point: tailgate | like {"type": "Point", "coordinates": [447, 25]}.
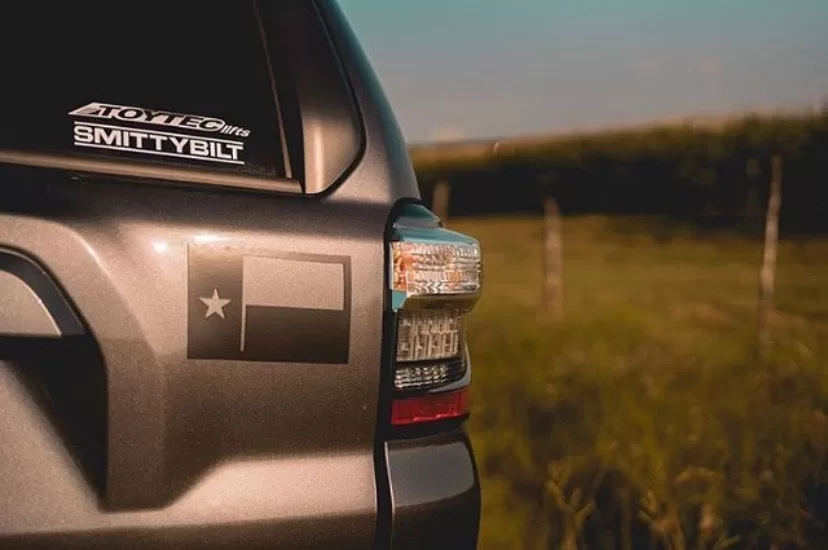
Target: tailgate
{"type": "Point", "coordinates": [192, 360]}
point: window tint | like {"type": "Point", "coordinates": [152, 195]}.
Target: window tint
{"type": "Point", "coordinates": [185, 83]}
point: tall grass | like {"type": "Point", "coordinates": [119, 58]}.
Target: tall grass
{"type": "Point", "coordinates": [641, 420]}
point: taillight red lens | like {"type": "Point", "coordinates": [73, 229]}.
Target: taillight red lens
{"type": "Point", "coordinates": [429, 408]}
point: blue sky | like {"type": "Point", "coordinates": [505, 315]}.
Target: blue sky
{"type": "Point", "coordinates": [462, 69]}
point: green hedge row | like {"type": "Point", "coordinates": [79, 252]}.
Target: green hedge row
{"type": "Point", "coordinates": [674, 171]}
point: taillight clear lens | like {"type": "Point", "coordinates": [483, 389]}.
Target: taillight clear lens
{"type": "Point", "coordinates": [435, 268]}
{"type": "Point", "coordinates": [419, 377]}
{"type": "Point", "coordinates": [428, 335]}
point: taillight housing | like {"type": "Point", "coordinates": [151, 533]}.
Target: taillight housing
{"type": "Point", "coordinates": [435, 278]}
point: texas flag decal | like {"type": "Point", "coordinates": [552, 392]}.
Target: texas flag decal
{"type": "Point", "coordinates": [274, 307]}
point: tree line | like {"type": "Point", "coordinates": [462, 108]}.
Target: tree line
{"type": "Point", "coordinates": [708, 175]}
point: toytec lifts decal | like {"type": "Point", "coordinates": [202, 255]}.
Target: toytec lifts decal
{"type": "Point", "coordinates": [100, 126]}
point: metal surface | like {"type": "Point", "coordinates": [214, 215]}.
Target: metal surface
{"type": "Point", "coordinates": [118, 439]}
{"type": "Point", "coordinates": [23, 312]}
{"type": "Point", "coordinates": [435, 491]}
{"type": "Point", "coordinates": [32, 305]}
{"type": "Point", "coordinates": [170, 418]}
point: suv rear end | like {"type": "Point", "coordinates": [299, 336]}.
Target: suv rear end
{"type": "Point", "coordinates": [227, 320]}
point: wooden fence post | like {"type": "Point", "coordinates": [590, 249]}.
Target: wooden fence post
{"type": "Point", "coordinates": [553, 260]}
{"type": "Point", "coordinates": [440, 200]}
{"type": "Point", "coordinates": [767, 274]}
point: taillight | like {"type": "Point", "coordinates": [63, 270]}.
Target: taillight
{"type": "Point", "coordinates": [435, 280]}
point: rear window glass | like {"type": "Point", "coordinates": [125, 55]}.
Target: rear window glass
{"type": "Point", "coordinates": [180, 83]}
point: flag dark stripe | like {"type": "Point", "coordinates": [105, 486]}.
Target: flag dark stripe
{"type": "Point", "coordinates": [296, 335]}
{"type": "Point", "coordinates": [213, 337]}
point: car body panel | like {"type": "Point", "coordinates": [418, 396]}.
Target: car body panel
{"type": "Point", "coordinates": [435, 491]}
{"type": "Point", "coordinates": [182, 430]}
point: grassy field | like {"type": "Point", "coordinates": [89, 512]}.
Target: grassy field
{"type": "Point", "coordinates": [641, 420]}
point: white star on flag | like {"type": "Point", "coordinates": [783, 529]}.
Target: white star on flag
{"type": "Point", "coordinates": [215, 304]}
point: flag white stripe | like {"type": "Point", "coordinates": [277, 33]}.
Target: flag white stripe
{"type": "Point", "coordinates": [277, 282]}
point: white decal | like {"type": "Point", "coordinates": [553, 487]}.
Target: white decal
{"type": "Point", "coordinates": [215, 304]}
{"type": "Point", "coordinates": [128, 113]}
{"type": "Point", "coordinates": [157, 143]}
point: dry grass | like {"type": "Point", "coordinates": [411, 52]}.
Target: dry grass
{"type": "Point", "coordinates": [641, 421]}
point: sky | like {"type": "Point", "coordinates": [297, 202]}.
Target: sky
{"type": "Point", "coordinates": [479, 69]}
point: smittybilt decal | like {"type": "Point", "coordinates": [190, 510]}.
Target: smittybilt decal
{"type": "Point", "coordinates": [131, 139]}
{"type": "Point", "coordinates": [277, 307]}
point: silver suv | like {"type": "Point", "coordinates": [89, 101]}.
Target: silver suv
{"type": "Point", "coordinates": [226, 319]}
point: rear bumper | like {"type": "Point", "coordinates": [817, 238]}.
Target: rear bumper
{"type": "Point", "coordinates": [435, 493]}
